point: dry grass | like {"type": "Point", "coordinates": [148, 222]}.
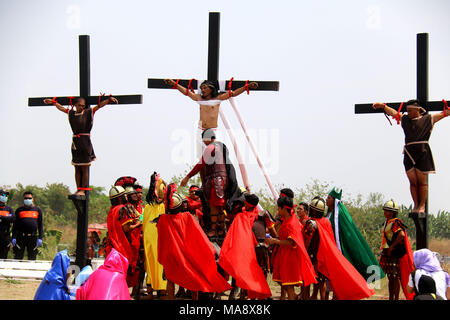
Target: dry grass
{"type": "Point", "coordinates": [25, 290]}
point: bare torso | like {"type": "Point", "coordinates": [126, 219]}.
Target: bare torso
{"type": "Point", "coordinates": [209, 113]}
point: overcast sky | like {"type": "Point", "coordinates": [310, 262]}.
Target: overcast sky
{"type": "Point", "coordinates": [327, 56]}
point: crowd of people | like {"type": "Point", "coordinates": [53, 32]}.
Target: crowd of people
{"type": "Point", "coordinates": [220, 239]}
{"type": "Point", "coordinates": [209, 243]}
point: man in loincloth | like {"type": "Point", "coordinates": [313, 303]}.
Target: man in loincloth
{"type": "Point", "coordinates": [209, 101]}
{"type": "Point", "coordinates": [417, 125]}
{"type": "Point", "coordinates": [81, 120]}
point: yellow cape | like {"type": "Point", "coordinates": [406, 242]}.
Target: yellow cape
{"type": "Point", "coordinates": [153, 268]}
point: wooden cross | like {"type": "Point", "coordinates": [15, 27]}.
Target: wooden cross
{"type": "Point", "coordinates": [420, 220]}
{"type": "Point", "coordinates": [213, 75]}
{"type": "Point", "coordinates": [82, 203]}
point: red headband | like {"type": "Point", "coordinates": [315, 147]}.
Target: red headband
{"type": "Point", "coordinates": [249, 204]}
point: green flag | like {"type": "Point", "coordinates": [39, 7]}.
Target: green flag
{"type": "Point", "coordinates": [352, 244]}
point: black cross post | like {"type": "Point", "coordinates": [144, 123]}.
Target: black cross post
{"type": "Point", "coordinates": [420, 220]}
{"type": "Point", "coordinates": [82, 203]}
{"type": "Point", "coordinates": [213, 64]}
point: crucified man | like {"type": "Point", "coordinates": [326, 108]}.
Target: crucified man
{"type": "Point", "coordinates": [81, 120]}
{"type": "Point", "coordinates": [209, 101]}
{"type": "Point", "coordinates": [417, 125]}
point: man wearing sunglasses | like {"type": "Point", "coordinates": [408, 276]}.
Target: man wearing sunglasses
{"type": "Point", "coordinates": [27, 229]}
{"type": "Point", "coordinates": [7, 217]}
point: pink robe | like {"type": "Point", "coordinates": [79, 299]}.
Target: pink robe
{"type": "Point", "coordinates": [108, 282]}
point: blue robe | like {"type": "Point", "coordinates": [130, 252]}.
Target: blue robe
{"type": "Point", "coordinates": [54, 286]}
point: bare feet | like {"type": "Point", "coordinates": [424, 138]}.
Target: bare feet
{"type": "Point", "coordinates": [80, 193]}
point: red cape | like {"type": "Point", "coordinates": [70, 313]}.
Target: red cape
{"type": "Point", "coordinates": [292, 265]}
{"type": "Point", "coordinates": [347, 282]}
{"type": "Point", "coordinates": [187, 255]}
{"type": "Point", "coordinates": [120, 242]}
{"type": "Point", "coordinates": [238, 256]}
{"type": "Point", "coordinates": [406, 265]}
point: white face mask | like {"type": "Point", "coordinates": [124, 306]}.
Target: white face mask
{"type": "Point", "coordinates": [28, 202]}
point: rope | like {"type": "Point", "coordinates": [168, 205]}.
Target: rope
{"type": "Point", "coordinates": [229, 88]}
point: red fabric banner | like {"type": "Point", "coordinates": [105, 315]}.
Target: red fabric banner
{"type": "Point", "coordinates": [238, 256]}
{"type": "Point", "coordinates": [187, 255]}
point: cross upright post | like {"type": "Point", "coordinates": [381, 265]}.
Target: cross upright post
{"type": "Point", "coordinates": [420, 220]}
{"type": "Point", "coordinates": [81, 203]}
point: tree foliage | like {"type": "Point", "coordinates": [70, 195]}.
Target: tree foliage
{"type": "Point", "coordinates": [366, 212]}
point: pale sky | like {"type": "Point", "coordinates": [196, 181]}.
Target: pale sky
{"type": "Point", "coordinates": [327, 56]}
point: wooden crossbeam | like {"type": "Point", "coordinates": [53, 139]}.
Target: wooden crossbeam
{"type": "Point", "coordinates": [362, 108]}
{"type": "Point", "coordinates": [154, 83]}
{"type": "Point", "coordinates": [91, 100]}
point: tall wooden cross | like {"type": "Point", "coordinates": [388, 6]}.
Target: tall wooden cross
{"type": "Point", "coordinates": [82, 203]}
{"type": "Point", "coordinates": [213, 75]}
{"type": "Point", "coordinates": [420, 220]}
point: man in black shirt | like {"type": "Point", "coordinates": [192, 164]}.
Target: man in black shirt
{"type": "Point", "coordinates": [28, 229]}
{"type": "Point", "coordinates": [418, 161]}
{"type": "Point", "coordinates": [7, 217]}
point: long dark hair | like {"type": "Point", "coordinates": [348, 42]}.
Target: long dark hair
{"type": "Point", "coordinates": [214, 91]}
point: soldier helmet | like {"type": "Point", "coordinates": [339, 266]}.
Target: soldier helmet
{"type": "Point", "coordinates": [317, 204]}
{"type": "Point", "coordinates": [391, 205]}
{"type": "Point", "coordinates": [116, 191]}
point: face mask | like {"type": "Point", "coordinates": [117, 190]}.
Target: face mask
{"type": "Point", "coordinates": [3, 198]}
{"type": "Point", "coordinates": [28, 202]}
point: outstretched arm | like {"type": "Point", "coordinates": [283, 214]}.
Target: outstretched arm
{"type": "Point", "coordinates": [440, 115]}
{"type": "Point", "coordinates": [105, 102]}
{"type": "Point", "coordinates": [238, 91]}
{"type": "Point", "coordinates": [388, 110]}
{"type": "Point", "coordinates": [56, 104]}
{"type": "Point", "coordinates": [182, 89]}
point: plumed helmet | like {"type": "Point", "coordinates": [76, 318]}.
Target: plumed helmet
{"type": "Point", "coordinates": [172, 199]}
{"type": "Point", "coordinates": [125, 181]}
{"type": "Point", "coordinates": [178, 199]}
{"type": "Point", "coordinates": [317, 204]}
{"type": "Point", "coordinates": [159, 188]}
{"type": "Point", "coordinates": [391, 205]}
{"type": "Point", "coordinates": [116, 191]}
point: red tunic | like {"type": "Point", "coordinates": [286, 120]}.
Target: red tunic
{"type": "Point", "coordinates": [347, 282]}
{"type": "Point", "coordinates": [238, 256]}
{"type": "Point", "coordinates": [187, 255]}
{"type": "Point", "coordinates": [207, 157]}
{"type": "Point", "coordinates": [126, 245]}
{"type": "Point", "coordinates": [291, 265]}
